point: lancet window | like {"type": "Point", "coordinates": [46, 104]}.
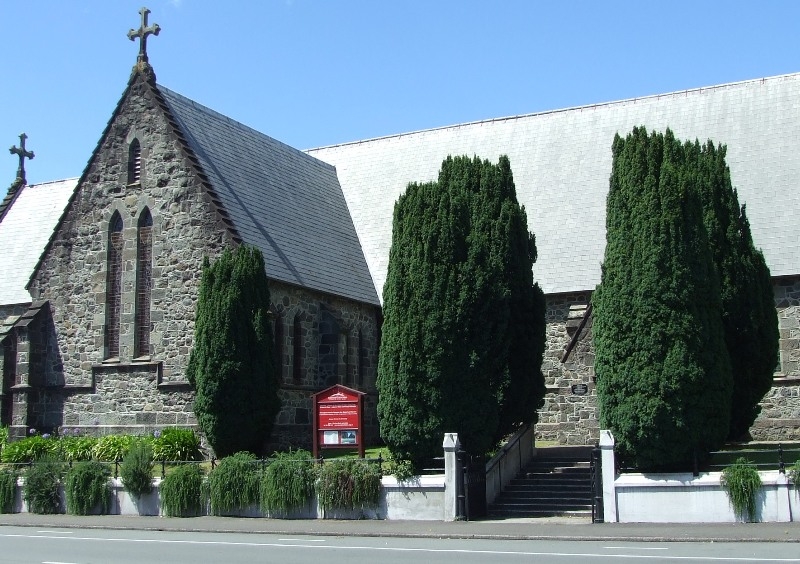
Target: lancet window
{"type": "Point", "coordinates": [144, 282]}
{"type": "Point", "coordinates": [297, 349]}
{"type": "Point", "coordinates": [113, 286]}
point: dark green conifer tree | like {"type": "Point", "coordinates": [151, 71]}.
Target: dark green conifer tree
{"type": "Point", "coordinates": [231, 364]}
{"type": "Point", "coordinates": [459, 301]}
{"type": "Point", "coordinates": [663, 373]}
{"type": "Point", "coordinates": [749, 315]}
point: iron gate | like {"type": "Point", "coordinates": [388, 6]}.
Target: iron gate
{"type": "Point", "coordinates": [596, 472]}
{"type": "Point", "coordinates": [472, 502]}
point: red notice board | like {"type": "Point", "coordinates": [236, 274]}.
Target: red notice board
{"type": "Point", "coordinates": [338, 419]}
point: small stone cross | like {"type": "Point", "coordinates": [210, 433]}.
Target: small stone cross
{"type": "Point", "coordinates": [22, 154]}
{"type": "Point", "coordinates": [142, 34]}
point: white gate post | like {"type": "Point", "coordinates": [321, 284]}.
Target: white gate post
{"type": "Point", "coordinates": [609, 474]}
{"type": "Point", "coordinates": [451, 475]}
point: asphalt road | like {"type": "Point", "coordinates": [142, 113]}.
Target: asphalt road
{"type": "Point", "coordinates": [99, 546]}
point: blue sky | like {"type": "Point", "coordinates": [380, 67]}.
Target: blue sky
{"type": "Point", "coordinates": [312, 73]}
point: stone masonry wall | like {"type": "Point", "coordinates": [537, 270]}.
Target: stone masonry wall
{"type": "Point", "coordinates": [357, 353]}
{"type": "Point", "coordinates": [780, 409]}
{"type": "Point", "coordinates": [567, 417]}
{"type": "Point", "coordinates": [83, 386]}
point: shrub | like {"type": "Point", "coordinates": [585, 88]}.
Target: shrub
{"type": "Point", "coordinates": [136, 470]}
{"type": "Point", "coordinates": [460, 265]}
{"type": "Point", "coordinates": [234, 483]}
{"type": "Point", "coordinates": [173, 445]}
{"type": "Point", "coordinates": [28, 449]}
{"type": "Point", "coordinates": [349, 483]}
{"type": "Point", "coordinates": [400, 468]}
{"type": "Point", "coordinates": [231, 363]}
{"type": "Point", "coordinates": [663, 373]}
{"type": "Point", "coordinates": [288, 482]}
{"type": "Point", "coordinates": [86, 487]}
{"type": "Point", "coordinates": [3, 438]}
{"type": "Point", "coordinates": [41, 489]}
{"type": "Point", "coordinates": [76, 449]}
{"type": "Point", "coordinates": [8, 490]}
{"type": "Point", "coordinates": [794, 475]}
{"type": "Point", "coordinates": [112, 447]}
{"type": "Point", "coordinates": [742, 482]}
{"type": "Point", "coordinates": [182, 491]}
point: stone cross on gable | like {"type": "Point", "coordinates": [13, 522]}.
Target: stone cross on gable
{"type": "Point", "coordinates": [142, 34]}
{"type": "Point", "coordinates": [22, 154]}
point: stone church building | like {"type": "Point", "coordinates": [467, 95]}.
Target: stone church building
{"type": "Point", "coordinates": [99, 275]}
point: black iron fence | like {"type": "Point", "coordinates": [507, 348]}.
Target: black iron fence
{"type": "Point", "coordinates": [763, 456]}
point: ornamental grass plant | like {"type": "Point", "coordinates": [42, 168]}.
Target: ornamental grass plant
{"type": "Point", "coordinates": [349, 483]}
{"type": "Point", "coordinates": [288, 482]}
{"type": "Point", "coordinates": [742, 483]}
{"type": "Point", "coordinates": [41, 486]}
{"type": "Point", "coordinates": [182, 491]}
{"type": "Point", "coordinates": [87, 489]}
{"type": "Point", "coordinates": [233, 485]}
{"type": "Point", "coordinates": [8, 490]}
{"type": "Point", "coordinates": [136, 469]}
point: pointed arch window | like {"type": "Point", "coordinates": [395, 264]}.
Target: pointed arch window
{"type": "Point", "coordinates": [297, 350]}
{"type": "Point", "coordinates": [134, 162]}
{"type": "Point", "coordinates": [144, 282]}
{"type": "Point", "coordinates": [113, 286]}
{"type": "Point", "coordinates": [362, 358]}
{"type": "Point", "coordinates": [278, 333]}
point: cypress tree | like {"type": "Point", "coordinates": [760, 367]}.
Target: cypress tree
{"type": "Point", "coordinates": [663, 373]}
{"type": "Point", "coordinates": [231, 364]}
{"type": "Point", "coordinates": [749, 316]}
{"type": "Point", "coordinates": [459, 299]}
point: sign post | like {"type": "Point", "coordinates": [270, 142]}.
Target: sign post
{"type": "Point", "coordinates": [338, 419]}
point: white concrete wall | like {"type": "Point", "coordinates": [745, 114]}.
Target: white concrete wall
{"type": "Point", "coordinates": [419, 498]}
{"type": "Point", "coordinates": [506, 464]}
{"type": "Point", "coordinates": [683, 498]}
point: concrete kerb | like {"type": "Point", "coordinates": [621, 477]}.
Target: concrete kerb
{"type": "Point", "coordinates": [566, 529]}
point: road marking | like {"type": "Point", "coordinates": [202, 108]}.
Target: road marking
{"type": "Point", "coordinates": [635, 548]}
{"type": "Point", "coordinates": [57, 532]}
{"type": "Point", "coordinates": [302, 540]}
{"type": "Point", "coordinates": [422, 550]}
{"type": "Point", "coordinates": [48, 562]}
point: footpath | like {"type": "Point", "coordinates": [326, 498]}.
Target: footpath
{"type": "Point", "coordinates": [557, 528]}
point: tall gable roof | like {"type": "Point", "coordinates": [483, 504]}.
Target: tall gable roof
{"type": "Point", "coordinates": [281, 200]}
{"type": "Point", "coordinates": [562, 162]}
{"type": "Point", "coordinates": [25, 230]}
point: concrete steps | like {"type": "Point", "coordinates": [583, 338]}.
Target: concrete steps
{"type": "Point", "coordinates": [556, 483]}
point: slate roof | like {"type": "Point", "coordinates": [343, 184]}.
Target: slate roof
{"type": "Point", "coordinates": [561, 162]}
{"type": "Point", "coordinates": [279, 199]}
{"type": "Point", "coordinates": [25, 230]}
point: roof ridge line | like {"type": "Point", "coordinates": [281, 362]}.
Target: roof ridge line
{"type": "Point", "coordinates": [53, 181]}
{"type": "Point", "coordinates": [687, 91]}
